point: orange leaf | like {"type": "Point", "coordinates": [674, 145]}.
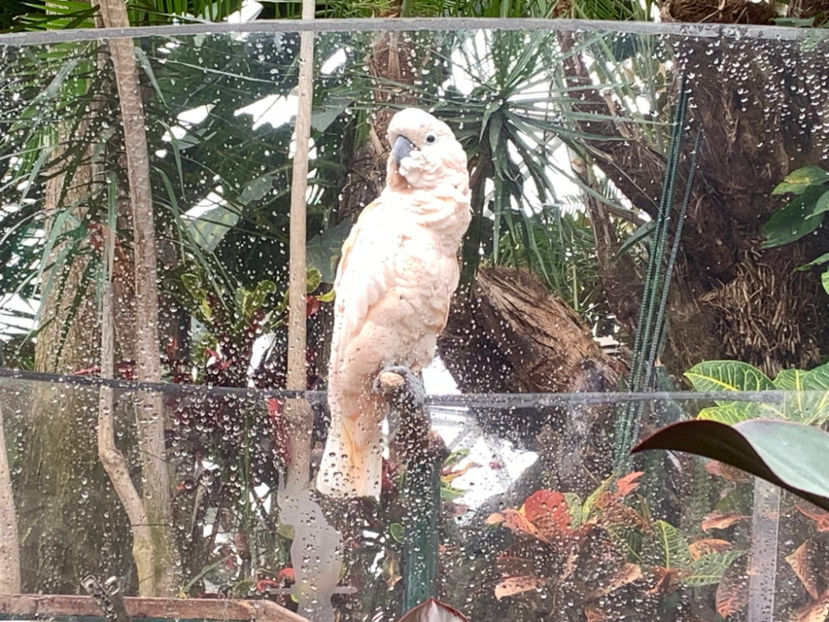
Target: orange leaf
{"type": "Point", "coordinates": [548, 511]}
{"type": "Point", "coordinates": [494, 519]}
{"type": "Point", "coordinates": [595, 615]}
{"type": "Point", "coordinates": [517, 585]}
{"type": "Point", "coordinates": [627, 484]}
{"type": "Point", "coordinates": [803, 563]}
{"type": "Point", "coordinates": [727, 472]}
{"type": "Point", "coordinates": [706, 546]}
{"type": "Point", "coordinates": [814, 612]}
{"type": "Point", "coordinates": [614, 512]}
{"type": "Point", "coordinates": [721, 520]}
{"type": "Point", "coordinates": [821, 517]}
{"type": "Point", "coordinates": [515, 520]}
{"type": "Point", "coordinates": [666, 580]}
{"type": "Point", "coordinates": [627, 574]}
{"type": "Point", "coordinates": [732, 592]}
{"type": "Point", "coordinates": [456, 473]}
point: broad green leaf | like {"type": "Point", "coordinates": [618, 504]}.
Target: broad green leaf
{"type": "Point", "coordinates": [574, 505]}
{"type": "Point", "coordinates": [797, 181]}
{"type": "Point", "coordinates": [790, 455]}
{"type": "Point", "coordinates": [822, 204]}
{"type": "Point", "coordinates": [313, 278]}
{"type": "Point", "coordinates": [329, 111]}
{"type": "Point", "coordinates": [397, 532]}
{"type": "Point", "coordinates": [665, 546]}
{"type": "Point", "coordinates": [824, 279]}
{"type": "Point", "coordinates": [794, 221]}
{"type": "Point", "coordinates": [709, 569]}
{"type": "Point", "coordinates": [729, 414]}
{"type": "Point", "coordinates": [256, 189]}
{"type": "Point", "coordinates": [728, 376]}
{"type": "Point", "coordinates": [210, 228]}
{"type": "Point", "coordinates": [817, 379]}
{"type": "Point", "coordinates": [192, 283]}
{"type": "Point", "coordinates": [323, 250]}
{"type": "Point", "coordinates": [815, 262]}
{"type": "Point", "coordinates": [809, 401]}
{"type": "Point", "coordinates": [790, 380]}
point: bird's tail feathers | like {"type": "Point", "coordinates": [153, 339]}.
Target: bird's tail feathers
{"type": "Point", "coordinates": [352, 462]}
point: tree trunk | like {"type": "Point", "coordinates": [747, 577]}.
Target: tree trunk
{"type": "Point", "coordinates": [150, 419]}
{"type": "Point", "coordinates": [9, 535]}
{"type": "Point", "coordinates": [730, 298]}
{"type": "Point", "coordinates": [70, 521]}
{"type": "Point", "coordinates": [509, 334]}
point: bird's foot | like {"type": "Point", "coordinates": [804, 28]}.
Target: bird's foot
{"type": "Point", "coordinates": [400, 384]}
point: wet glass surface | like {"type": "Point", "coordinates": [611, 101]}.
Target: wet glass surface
{"type": "Point", "coordinates": [645, 206]}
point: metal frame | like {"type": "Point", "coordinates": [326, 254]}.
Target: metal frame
{"type": "Point", "coordinates": [770, 33]}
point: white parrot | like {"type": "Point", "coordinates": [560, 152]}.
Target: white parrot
{"type": "Point", "coordinates": [398, 271]}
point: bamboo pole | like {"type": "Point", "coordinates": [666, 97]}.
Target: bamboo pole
{"type": "Point", "coordinates": [316, 548]}
{"type": "Point", "coordinates": [298, 412]}
{"type": "Point", "coordinates": [149, 410]}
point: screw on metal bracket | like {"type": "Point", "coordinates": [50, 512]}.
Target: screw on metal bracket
{"type": "Point", "coordinates": [109, 597]}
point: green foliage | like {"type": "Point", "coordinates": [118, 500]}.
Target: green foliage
{"type": "Point", "coordinates": [803, 215]}
{"type": "Point", "coordinates": [808, 404]}
{"type": "Point", "coordinates": [564, 258]}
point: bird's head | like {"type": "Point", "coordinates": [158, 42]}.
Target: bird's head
{"type": "Point", "coordinates": [424, 153]}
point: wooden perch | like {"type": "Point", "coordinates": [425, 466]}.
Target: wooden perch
{"type": "Point", "coordinates": [422, 451]}
{"type": "Point", "coordinates": [411, 437]}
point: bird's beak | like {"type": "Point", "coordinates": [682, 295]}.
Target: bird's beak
{"type": "Point", "coordinates": [401, 149]}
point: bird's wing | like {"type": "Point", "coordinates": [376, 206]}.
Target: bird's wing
{"type": "Point", "coordinates": [363, 274]}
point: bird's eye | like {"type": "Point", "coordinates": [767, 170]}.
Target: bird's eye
{"type": "Point", "coordinates": [430, 138]}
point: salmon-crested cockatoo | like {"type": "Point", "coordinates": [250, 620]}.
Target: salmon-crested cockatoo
{"type": "Point", "coordinates": [398, 271]}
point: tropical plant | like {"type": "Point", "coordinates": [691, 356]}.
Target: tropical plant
{"type": "Point", "coordinates": [765, 449]}
{"type": "Point", "coordinates": [808, 403]}
{"type": "Point", "coordinates": [803, 215]}
{"type": "Point", "coordinates": [599, 556]}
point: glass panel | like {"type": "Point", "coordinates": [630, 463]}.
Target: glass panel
{"type": "Point", "coordinates": [647, 215]}
{"type": "Point", "coordinates": [522, 530]}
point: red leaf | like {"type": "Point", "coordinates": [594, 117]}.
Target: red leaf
{"type": "Point", "coordinates": [593, 614]}
{"type": "Point", "coordinates": [547, 510]}
{"type": "Point", "coordinates": [517, 522]}
{"type": "Point", "coordinates": [721, 520]}
{"type": "Point", "coordinates": [666, 580]}
{"type": "Point", "coordinates": [817, 611]}
{"type": "Point", "coordinates": [312, 305]}
{"type": "Point", "coordinates": [627, 484]}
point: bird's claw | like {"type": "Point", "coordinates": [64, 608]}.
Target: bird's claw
{"type": "Point", "coordinates": [407, 387]}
